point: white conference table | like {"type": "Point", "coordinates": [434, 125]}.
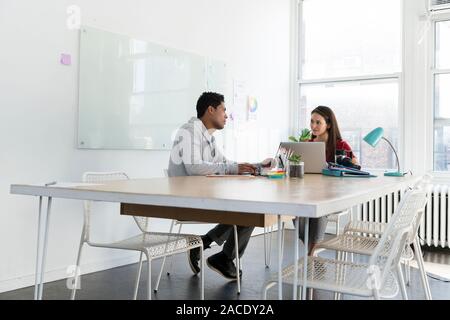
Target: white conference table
{"type": "Point", "coordinates": [248, 201]}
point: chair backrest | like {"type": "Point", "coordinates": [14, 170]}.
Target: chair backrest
{"type": "Point", "coordinates": [421, 186]}
{"type": "Point", "coordinates": [97, 177]}
{"type": "Point", "coordinates": [388, 252]}
{"type": "Point", "coordinates": [143, 222]}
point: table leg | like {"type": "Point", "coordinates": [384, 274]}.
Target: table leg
{"type": "Point", "coordinates": [305, 258]}
{"type": "Point", "coordinates": [280, 257]}
{"type": "Point", "coordinates": [38, 252]}
{"type": "Point", "coordinates": [44, 223]}
{"type": "Point", "coordinates": [238, 262]}
{"type": "Point", "coordinates": [295, 283]}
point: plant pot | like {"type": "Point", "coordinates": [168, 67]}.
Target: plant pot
{"type": "Point", "coordinates": [296, 170]}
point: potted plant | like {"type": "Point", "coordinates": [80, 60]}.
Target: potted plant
{"type": "Point", "coordinates": [304, 135]}
{"type": "Point", "coordinates": [296, 166]}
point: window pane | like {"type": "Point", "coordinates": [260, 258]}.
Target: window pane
{"type": "Point", "coordinates": [360, 106]}
{"type": "Point", "coordinates": [441, 123]}
{"type": "Point", "coordinates": [442, 96]}
{"type": "Point", "coordinates": [441, 148]}
{"type": "Point", "coordinates": [350, 38]}
{"type": "Point", "coordinates": [443, 45]}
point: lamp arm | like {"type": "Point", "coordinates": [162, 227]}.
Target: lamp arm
{"type": "Point", "coordinates": [396, 156]}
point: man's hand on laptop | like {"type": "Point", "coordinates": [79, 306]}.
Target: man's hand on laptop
{"type": "Point", "coordinates": [268, 163]}
{"type": "Point", "coordinates": [246, 168]}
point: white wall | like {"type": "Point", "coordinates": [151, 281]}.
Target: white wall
{"type": "Point", "coordinates": [38, 108]}
{"type": "Point", "coordinates": [417, 109]}
{"type": "Point", "coordinates": [418, 102]}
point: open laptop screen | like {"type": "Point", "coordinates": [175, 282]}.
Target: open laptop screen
{"type": "Point", "coordinates": [312, 153]}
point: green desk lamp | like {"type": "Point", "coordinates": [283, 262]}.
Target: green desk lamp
{"type": "Point", "coordinates": [373, 138]}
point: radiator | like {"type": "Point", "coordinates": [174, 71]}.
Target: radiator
{"type": "Point", "coordinates": [434, 228]}
{"type": "Point", "coordinates": [381, 209]}
{"type": "Point", "coordinates": [435, 225]}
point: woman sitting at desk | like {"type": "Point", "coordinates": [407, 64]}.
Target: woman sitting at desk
{"type": "Point", "coordinates": [324, 128]}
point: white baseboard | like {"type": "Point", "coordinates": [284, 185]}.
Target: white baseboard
{"type": "Point", "coordinates": [59, 274]}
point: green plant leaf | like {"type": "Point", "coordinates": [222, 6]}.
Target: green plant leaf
{"type": "Point", "coordinates": [293, 139]}
{"type": "Point", "coordinates": [295, 158]}
{"type": "Point", "coordinates": [305, 135]}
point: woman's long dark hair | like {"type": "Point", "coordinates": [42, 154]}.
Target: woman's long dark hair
{"type": "Point", "coordinates": [334, 134]}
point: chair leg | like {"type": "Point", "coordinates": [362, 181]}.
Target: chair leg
{"type": "Point", "coordinates": [339, 257]}
{"type": "Point", "coordinates": [149, 280]}
{"type": "Point", "coordinates": [282, 237]}
{"type": "Point", "coordinates": [77, 276]}
{"type": "Point", "coordinates": [265, 248]}
{"type": "Point", "coordinates": [160, 274]}
{"type": "Point", "coordinates": [164, 260]}
{"type": "Point", "coordinates": [338, 254]}
{"type": "Point", "coordinates": [405, 271]}
{"type": "Point", "coordinates": [270, 244]}
{"type": "Point", "coordinates": [266, 289]}
{"type": "Point", "coordinates": [169, 270]}
{"type": "Point", "coordinates": [401, 280]}
{"type": "Point", "coordinates": [236, 249]}
{"type": "Point", "coordinates": [138, 277]}
{"type": "Point", "coordinates": [202, 273]}
{"type": "Point", "coordinates": [267, 245]}
{"type": "Point", "coordinates": [310, 293]}
{"type": "Point", "coordinates": [423, 274]}
{"type": "Point", "coordinates": [408, 272]}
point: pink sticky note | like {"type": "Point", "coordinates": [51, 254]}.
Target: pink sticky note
{"type": "Point", "coordinates": [65, 59]}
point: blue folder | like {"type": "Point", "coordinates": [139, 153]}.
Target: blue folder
{"type": "Point", "coordinates": [336, 170]}
{"type": "Point", "coordinates": [339, 173]}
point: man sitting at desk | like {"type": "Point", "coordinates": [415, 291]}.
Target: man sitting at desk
{"type": "Point", "coordinates": [194, 152]}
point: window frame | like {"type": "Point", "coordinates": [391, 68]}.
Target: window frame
{"type": "Point", "coordinates": [434, 19]}
{"type": "Point", "coordinates": [398, 76]}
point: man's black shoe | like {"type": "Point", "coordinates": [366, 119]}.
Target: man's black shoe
{"type": "Point", "coordinates": [194, 254]}
{"type": "Point", "coordinates": [194, 258]}
{"type": "Point", "coordinates": [223, 266]}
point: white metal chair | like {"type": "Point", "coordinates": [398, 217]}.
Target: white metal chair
{"type": "Point", "coordinates": [379, 277]}
{"type": "Point", "coordinates": [151, 244]}
{"type": "Point", "coordinates": [376, 229]}
{"type": "Point", "coordinates": [336, 219]}
{"type": "Point", "coordinates": [363, 237]}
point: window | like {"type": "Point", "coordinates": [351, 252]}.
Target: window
{"type": "Point", "coordinates": [350, 60]}
{"type": "Point", "coordinates": [441, 95]}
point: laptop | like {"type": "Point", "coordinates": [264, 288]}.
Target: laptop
{"type": "Point", "coordinates": [312, 153]}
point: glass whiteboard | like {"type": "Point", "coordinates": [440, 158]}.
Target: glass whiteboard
{"type": "Point", "coordinates": [134, 94]}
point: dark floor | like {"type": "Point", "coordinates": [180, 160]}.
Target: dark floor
{"type": "Point", "coordinates": [118, 283]}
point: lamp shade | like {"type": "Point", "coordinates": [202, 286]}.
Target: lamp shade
{"type": "Point", "coordinates": [374, 136]}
